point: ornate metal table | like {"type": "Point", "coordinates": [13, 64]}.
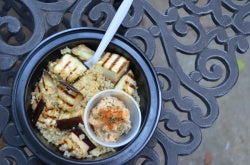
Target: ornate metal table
{"type": "Point", "coordinates": [189, 97]}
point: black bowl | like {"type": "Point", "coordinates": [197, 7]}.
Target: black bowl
{"type": "Point", "coordinates": [31, 70]}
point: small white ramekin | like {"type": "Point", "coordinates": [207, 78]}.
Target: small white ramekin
{"type": "Point", "coordinates": [135, 116]}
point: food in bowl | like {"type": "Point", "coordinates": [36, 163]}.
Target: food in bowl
{"type": "Point", "coordinates": [65, 87]}
{"type": "Point", "coordinates": [110, 119]}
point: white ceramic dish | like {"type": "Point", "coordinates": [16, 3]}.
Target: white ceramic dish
{"type": "Point", "coordinates": [135, 117]}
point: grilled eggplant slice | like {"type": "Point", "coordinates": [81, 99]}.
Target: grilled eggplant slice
{"type": "Point", "coordinates": [95, 148]}
{"type": "Point", "coordinates": [69, 87]}
{"type": "Point", "coordinates": [46, 123]}
{"type": "Point", "coordinates": [128, 84]}
{"type": "Point", "coordinates": [73, 146]}
{"type": "Point", "coordinates": [70, 103]}
{"type": "Point", "coordinates": [69, 123]}
{"type": "Point", "coordinates": [113, 66]}
{"type": "Point", "coordinates": [48, 118]}
{"type": "Point", "coordinates": [83, 52]}
{"type": "Point", "coordinates": [66, 50]}
{"type": "Point", "coordinates": [68, 68]}
{"type": "Point", "coordinates": [68, 100]}
{"type": "Point", "coordinates": [46, 90]}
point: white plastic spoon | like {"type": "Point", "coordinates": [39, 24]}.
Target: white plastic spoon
{"type": "Point", "coordinates": [113, 27]}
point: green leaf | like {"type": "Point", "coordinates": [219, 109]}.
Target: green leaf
{"type": "Point", "coordinates": [241, 64]}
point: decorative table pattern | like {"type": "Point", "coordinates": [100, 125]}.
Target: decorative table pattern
{"type": "Point", "coordinates": [24, 23]}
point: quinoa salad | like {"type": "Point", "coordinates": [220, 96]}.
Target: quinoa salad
{"type": "Point", "coordinates": [63, 91]}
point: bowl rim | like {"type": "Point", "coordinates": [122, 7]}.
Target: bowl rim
{"type": "Point", "coordinates": [36, 56]}
{"type": "Point", "coordinates": [88, 109]}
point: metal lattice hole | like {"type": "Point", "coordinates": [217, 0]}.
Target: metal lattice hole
{"type": "Point", "coordinates": [201, 3]}
{"type": "Point", "coordinates": [160, 151]}
{"type": "Point", "coordinates": [27, 151]}
{"type": "Point", "coordinates": [187, 62]}
{"type": "Point", "coordinates": [161, 6]}
{"type": "Point", "coordinates": [230, 32]}
{"type": "Point", "coordinates": [207, 22]}
{"type": "Point", "coordinates": [215, 45]}
{"type": "Point", "coordinates": [160, 59]}
{"type": "Point", "coordinates": [183, 13]}
{"type": "Point", "coordinates": [164, 83]}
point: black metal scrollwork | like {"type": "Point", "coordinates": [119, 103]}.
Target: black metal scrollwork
{"type": "Point", "coordinates": [42, 18]}
{"type": "Point", "coordinates": [9, 154]}
{"type": "Point", "coordinates": [11, 136]}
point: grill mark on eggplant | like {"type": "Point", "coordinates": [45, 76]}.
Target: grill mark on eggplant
{"type": "Point", "coordinates": [48, 116]}
{"type": "Point", "coordinates": [50, 109]}
{"type": "Point", "coordinates": [65, 66]}
{"type": "Point", "coordinates": [114, 62]}
{"type": "Point", "coordinates": [67, 93]}
{"type": "Point", "coordinates": [104, 62]}
{"type": "Point", "coordinates": [71, 73]}
{"type": "Point", "coordinates": [64, 142]}
{"type": "Point", "coordinates": [82, 88]}
{"type": "Point", "coordinates": [71, 149]}
{"type": "Point", "coordinates": [131, 76]}
{"type": "Point", "coordinates": [129, 84]}
{"type": "Point", "coordinates": [122, 66]}
{"type": "Point", "coordinates": [126, 74]}
{"type": "Point", "coordinates": [69, 123]}
{"type": "Point", "coordinates": [69, 87]}
{"type": "Point", "coordinates": [64, 102]}
{"type": "Point", "coordinates": [52, 126]}
{"type": "Point", "coordinates": [39, 121]}
{"type": "Point", "coordinates": [38, 111]}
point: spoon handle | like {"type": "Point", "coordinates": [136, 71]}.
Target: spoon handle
{"type": "Point", "coordinates": [113, 27]}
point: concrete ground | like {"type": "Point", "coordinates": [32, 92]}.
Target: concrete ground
{"type": "Point", "coordinates": [227, 139]}
{"type": "Point", "coordinates": [226, 142]}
